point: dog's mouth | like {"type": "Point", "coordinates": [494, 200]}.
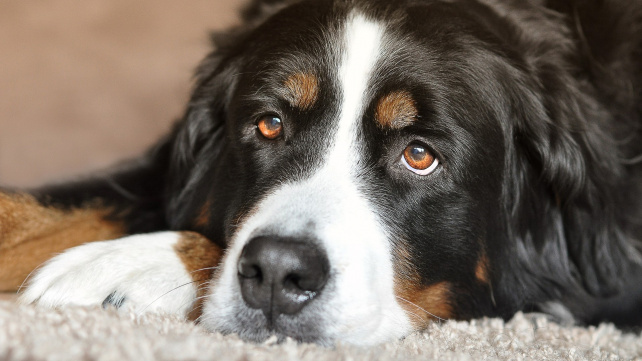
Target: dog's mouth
{"type": "Point", "coordinates": [253, 325]}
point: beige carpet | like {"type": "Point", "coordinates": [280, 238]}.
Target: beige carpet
{"type": "Point", "coordinates": [29, 333]}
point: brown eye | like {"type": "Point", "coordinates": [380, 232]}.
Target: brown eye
{"type": "Point", "coordinates": [270, 126]}
{"type": "Point", "coordinates": [418, 158]}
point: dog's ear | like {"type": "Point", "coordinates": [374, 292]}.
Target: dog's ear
{"type": "Point", "coordinates": [204, 119]}
{"type": "Point", "coordinates": [259, 10]}
{"type": "Point", "coordinates": [198, 138]}
{"type": "Point", "coordinates": [200, 132]}
{"type": "Point", "coordinates": [567, 181]}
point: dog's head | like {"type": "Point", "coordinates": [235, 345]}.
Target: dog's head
{"type": "Point", "coordinates": [361, 162]}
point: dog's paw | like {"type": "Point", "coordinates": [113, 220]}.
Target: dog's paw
{"type": "Point", "coordinates": [141, 273]}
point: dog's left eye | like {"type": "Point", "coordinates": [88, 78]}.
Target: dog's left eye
{"type": "Point", "coordinates": [419, 159]}
{"type": "Point", "coordinates": [270, 126]}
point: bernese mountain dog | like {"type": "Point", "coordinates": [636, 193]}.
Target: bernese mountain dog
{"type": "Point", "coordinates": [352, 170]}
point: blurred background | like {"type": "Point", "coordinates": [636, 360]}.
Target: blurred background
{"type": "Point", "coordinates": [84, 84]}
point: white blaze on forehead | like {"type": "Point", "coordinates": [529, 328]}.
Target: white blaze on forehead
{"type": "Point", "coordinates": [361, 50]}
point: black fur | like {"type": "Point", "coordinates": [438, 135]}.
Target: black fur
{"type": "Point", "coordinates": [535, 109]}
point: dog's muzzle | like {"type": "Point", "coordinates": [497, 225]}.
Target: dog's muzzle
{"type": "Point", "coordinates": [281, 275]}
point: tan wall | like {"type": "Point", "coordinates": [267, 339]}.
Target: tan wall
{"type": "Point", "coordinates": [85, 83]}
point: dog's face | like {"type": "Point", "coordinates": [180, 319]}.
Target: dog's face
{"type": "Point", "coordinates": [351, 161]}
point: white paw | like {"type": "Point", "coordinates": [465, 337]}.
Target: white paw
{"type": "Point", "coordinates": [140, 273]}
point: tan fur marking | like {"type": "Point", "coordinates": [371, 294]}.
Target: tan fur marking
{"type": "Point", "coordinates": [403, 262]}
{"type": "Point", "coordinates": [481, 270]}
{"type": "Point", "coordinates": [303, 90]}
{"type": "Point", "coordinates": [203, 218]}
{"type": "Point", "coordinates": [396, 110]}
{"type": "Point", "coordinates": [30, 234]}
{"type": "Point", "coordinates": [200, 256]}
{"type": "Point", "coordinates": [423, 304]}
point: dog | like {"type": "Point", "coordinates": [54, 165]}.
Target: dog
{"type": "Point", "coordinates": [353, 170]}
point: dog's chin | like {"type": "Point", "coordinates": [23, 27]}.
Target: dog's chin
{"type": "Point", "coordinates": [314, 324]}
{"type": "Point", "coordinates": [252, 325]}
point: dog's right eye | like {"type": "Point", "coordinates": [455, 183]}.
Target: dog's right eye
{"type": "Point", "coordinates": [419, 159]}
{"type": "Point", "coordinates": [270, 126]}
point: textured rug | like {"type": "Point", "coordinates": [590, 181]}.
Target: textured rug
{"type": "Point", "coordinates": [30, 333]}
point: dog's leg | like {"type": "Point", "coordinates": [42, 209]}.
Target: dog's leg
{"type": "Point", "coordinates": [163, 272]}
{"type": "Point", "coordinates": [36, 225]}
{"type": "Point", "coordinates": [31, 233]}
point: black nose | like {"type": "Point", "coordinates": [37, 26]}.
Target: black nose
{"type": "Point", "coordinates": [281, 276]}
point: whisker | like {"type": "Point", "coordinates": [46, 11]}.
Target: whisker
{"type": "Point", "coordinates": [204, 269]}
{"type": "Point", "coordinates": [199, 306]}
{"type": "Point", "coordinates": [22, 285]}
{"type": "Point", "coordinates": [163, 295]}
{"type": "Point", "coordinates": [199, 309]}
{"type": "Point", "coordinates": [198, 319]}
{"type": "Point", "coordinates": [204, 287]}
{"type": "Point", "coordinates": [419, 307]}
{"type": "Point", "coordinates": [419, 318]}
{"type": "Point", "coordinates": [195, 304]}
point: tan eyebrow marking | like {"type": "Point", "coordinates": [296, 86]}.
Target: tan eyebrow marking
{"type": "Point", "coordinates": [303, 90]}
{"type": "Point", "coordinates": [396, 110]}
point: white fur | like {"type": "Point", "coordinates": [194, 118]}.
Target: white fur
{"type": "Point", "coordinates": [144, 269]}
{"type": "Point", "coordinates": [361, 308]}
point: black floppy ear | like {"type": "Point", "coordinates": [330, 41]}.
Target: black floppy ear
{"type": "Point", "coordinates": [567, 178]}
{"type": "Point", "coordinates": [198, 138]}
{"type": "Point", "coordinates": [564, 180]}
{"type": "Point", "coordinates": [204, 120]}
{"type": "Point", "coordinates": [259, 10]}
